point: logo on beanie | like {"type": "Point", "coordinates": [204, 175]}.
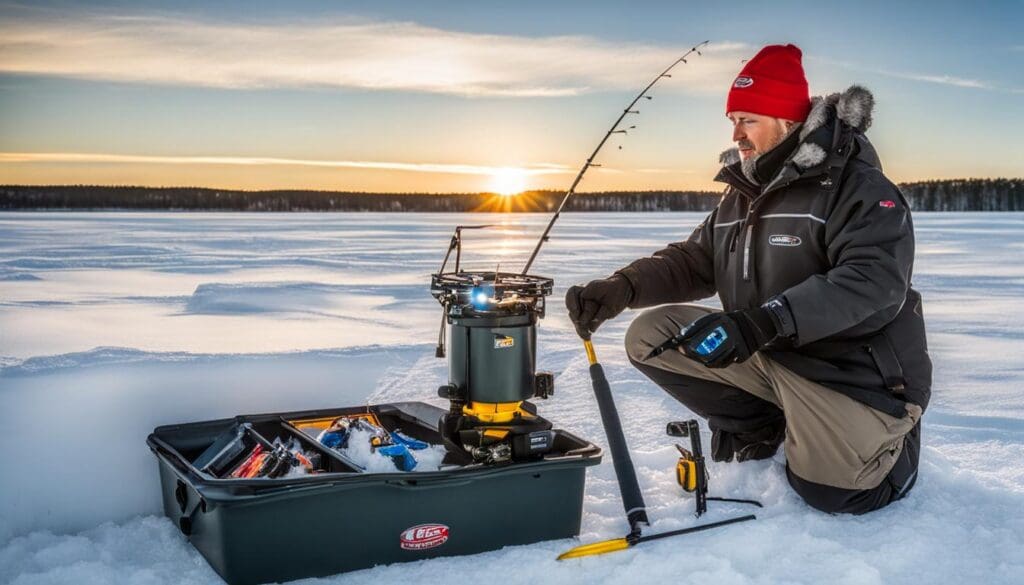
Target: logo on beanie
{"type": "Point", "coordinates": [743, 81]}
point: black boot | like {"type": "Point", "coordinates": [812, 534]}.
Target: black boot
{"type": "Point", "coordinates": [759, 443]}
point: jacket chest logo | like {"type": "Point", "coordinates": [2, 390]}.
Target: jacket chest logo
{"type": "Point", "coordinates": [784, 240]}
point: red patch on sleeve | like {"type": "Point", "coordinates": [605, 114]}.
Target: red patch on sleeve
{"type": "Point", "coordinates": [887, 203]}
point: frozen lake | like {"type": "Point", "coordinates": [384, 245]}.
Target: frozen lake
{"type": "Point", "coordinates": [114, 323]}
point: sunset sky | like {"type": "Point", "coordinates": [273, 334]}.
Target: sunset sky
{"type": "Point", "coordinates": [474, 96]}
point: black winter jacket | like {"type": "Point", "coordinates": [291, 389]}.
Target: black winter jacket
{"type": "Point", "coordinates": [829, 235]}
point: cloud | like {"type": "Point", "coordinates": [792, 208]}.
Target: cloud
{"type": "Point", "coordinates": [923, 77]}
{"type": "Point", "coordinates": [951, 80]}
{"type": "Point", "coordinates": [344, 53]}
{"type": "Point", "coordinates": [100, 158]}
{"type": "Point", "coordinates": [942, 79]}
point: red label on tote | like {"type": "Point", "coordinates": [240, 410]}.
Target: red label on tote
{"type": "Point", "coordinates": [887, 203]}
{"type": "Point", "coordinates": [424, 536]}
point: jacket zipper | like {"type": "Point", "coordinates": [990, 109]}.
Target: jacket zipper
{"type": "Point", "coordinates": [739, 228]}
{"type": "Point", "coordinates": [736, 233]}
{"type": "Point", "coordinates": [750, 232]}
{"type": "Point", "coordinates": [746, 253]}
{"type": "Point", "coordinates": [746, 242]}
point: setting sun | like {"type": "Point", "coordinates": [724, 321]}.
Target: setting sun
{"type": "Point", "coordinates": [508, 181]}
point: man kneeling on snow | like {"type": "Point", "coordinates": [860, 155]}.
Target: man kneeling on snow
{"type": "Point", "coordinates": [811, 251]}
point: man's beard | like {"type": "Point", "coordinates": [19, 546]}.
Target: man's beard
{"type": "Point", "coordinates": [749, 165]}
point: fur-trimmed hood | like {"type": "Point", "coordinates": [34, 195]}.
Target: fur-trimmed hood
{"type": "Point", "coordinates": [853, 107]}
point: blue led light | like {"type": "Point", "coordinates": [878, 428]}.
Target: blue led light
{"type": "Point", "coordinates": [712, 341]}
{"type": "Point", "coordinates": [480, 297]}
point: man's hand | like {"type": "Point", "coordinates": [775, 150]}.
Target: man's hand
{"type": "Point", "coordinates": [598, 301]}
{"type": "Point", "coordinates": [721, 339]}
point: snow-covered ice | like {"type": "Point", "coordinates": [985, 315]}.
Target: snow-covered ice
{"type": "Point", "coordinates": [114, 323]}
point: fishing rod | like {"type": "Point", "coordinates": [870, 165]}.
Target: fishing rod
{"type": "Point", "coordinates": [613, 130]}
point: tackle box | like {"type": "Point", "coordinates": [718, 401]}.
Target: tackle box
{"type": "Point", "coordinates": [342, 519]}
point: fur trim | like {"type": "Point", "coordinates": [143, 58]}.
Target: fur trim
{"type": "Point", "coordinates": [855, 107]}
{"type": "Point", "coordinates": [809, 155]}
{"type": "Point", "coordinates": [818, 114]}
{"type": "Point", "coordinates": [729, 156]}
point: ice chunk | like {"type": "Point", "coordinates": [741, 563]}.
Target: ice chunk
{"type": "Point", "coordinates": [359, 450]}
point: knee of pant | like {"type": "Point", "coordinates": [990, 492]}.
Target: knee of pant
{"type": "Point", "coordinates": [638, 335]}
{"type": "Point", "coordinates": [894, 487]}
{"type": "Point", "coordinates": [833, 500]}
{"type": "Point", "coordinates": [654, 326]}
{"type": "Point", "coordinates": [825, 498]}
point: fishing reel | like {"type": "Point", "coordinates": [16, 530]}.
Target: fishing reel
{"type": "Point", "coordinates": [491, 322]}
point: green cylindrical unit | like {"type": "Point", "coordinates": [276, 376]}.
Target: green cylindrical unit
{"type": "Point", "coordinates": [493, 360]}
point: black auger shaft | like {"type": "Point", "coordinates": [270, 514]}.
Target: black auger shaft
{"type": "Point", "coordinates": [625, 473]}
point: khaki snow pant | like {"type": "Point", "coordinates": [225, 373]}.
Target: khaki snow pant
{"type": "Point", "coordinates": [830, 438]}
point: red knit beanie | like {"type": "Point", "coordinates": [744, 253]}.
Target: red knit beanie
{"type": "Point", "coordinates": [772, 84]}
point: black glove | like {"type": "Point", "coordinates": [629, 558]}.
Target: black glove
{"type": "Point", "coordinates": [721, 339]}
{"type": "Point", "coordinates": [598, 301]}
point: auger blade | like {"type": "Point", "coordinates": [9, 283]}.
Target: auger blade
{"type": "Point", "coordinates": [607, 546]}
{"type": "Point", "coordinates": [595, 548]}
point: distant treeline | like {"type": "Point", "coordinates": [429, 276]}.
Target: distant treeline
{"type": "Point", "coordinates": [947, 195]}
{"type": "Point", "coordinates": [200, 199]}
{"type": "Point", "coordinates": [966, 195]}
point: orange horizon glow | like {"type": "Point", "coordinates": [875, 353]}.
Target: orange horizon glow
{"type": "Point", "coordinates": [323, 174]}
{"type": "Point", "coordinates": [517, 202]}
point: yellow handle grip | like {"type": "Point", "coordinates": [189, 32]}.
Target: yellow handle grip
{"type": "Point", "coordinates": [591, 356]}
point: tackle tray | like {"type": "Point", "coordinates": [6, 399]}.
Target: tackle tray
{"type": "Point", "coordinates": [342, 519]}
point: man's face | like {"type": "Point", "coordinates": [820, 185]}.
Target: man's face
{"type": "Point", "coordinates": [755, 134]}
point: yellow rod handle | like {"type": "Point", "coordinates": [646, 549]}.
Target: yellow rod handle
{"type": "Point", "coordinates": [591, 356]}
{"type": "Point", "coordinates": [595, 548]}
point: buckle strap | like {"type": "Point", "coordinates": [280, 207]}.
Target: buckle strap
{"type": "Point", "coordinates": [888, 364]}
